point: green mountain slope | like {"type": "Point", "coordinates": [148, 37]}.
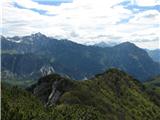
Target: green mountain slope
{"type": "Point", "coordinates": [18, 104]}
{"type": "Point", "coordinates": [153, 88]}
{"type": "Point", "coordinates": [155, 82]}
{"type": "Point", "coordinates": [114, 94]}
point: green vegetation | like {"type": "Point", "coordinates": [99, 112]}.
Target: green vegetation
{"type": "Point", "coordinates": [116, 95]}
{"type": "Point", "coordinates": [20, 83]}
{"type": "Point", "coordinates": [153, 88]}
{"type": "Point", "coordinates": [154, 83]}
{"type": "Point", "coordinates": [113, 95]}
{"type": "Point", "coordinates": [12, 79]}
{"type": "Point", "coordinates": [18, 104]}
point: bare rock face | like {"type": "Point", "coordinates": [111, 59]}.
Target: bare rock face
{"type": "Point", "coordinates": [49, 89]}
{"type": "Point", "coordinates": [46, 70]}
{"type": "Point", "coordinates": [54, 95]}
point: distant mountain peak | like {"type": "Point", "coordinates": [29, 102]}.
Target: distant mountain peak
{"type": "Point", "coordinates": [126, 44]}
{"type": "Point", "coordinates": [105, 44]}
{"type": "Point", "coordinates": [102, 44]}
{"type": "Point", "coordinates": [38, 35]}
{"type": "Point", "coordinates": [2, 37]}
{"type": "Point", "coordinates": [15, 39]}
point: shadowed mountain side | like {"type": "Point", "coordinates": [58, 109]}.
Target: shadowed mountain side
{"type": "Point", "coordinates": [71, 59]}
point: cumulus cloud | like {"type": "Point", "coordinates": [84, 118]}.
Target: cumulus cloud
{"type": "Point", "coordinates": [84, 21]}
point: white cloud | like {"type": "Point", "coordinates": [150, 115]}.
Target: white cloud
{"type": "Point", "coordinates": [83, 21]}
{"type": "Point", "coordinates": [147, 2]}
{"type": "Point", "coordinates": [146, 17]}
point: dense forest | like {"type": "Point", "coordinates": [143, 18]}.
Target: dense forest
{"type": "Point", "coordinates": [113, 95]}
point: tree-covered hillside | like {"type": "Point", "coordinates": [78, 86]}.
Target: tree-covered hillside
{"type": "Point", "coordinates": [113, 95]}
{"type": "Point", "coordinates": [153, 88]}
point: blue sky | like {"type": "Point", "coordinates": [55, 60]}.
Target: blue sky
{"type": "Point", "coordinates": [52, 2]}
{"type": "Point", "coordinates": [85, 21]}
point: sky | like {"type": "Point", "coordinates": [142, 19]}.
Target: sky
{"type": "Point", "coordinates": [85, 21]}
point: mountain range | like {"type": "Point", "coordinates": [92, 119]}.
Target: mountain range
{"type": "Point", "coordinates": [29, 57]}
